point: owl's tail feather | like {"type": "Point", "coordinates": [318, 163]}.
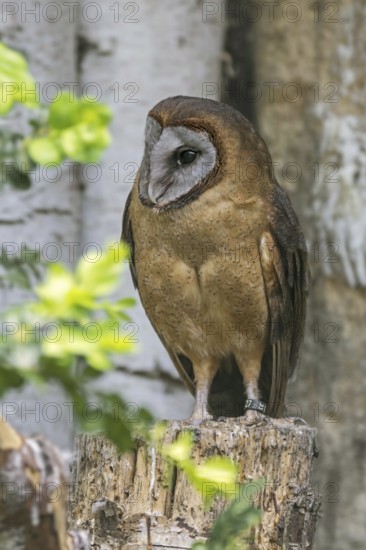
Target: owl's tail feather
{"type": "Point", "coordinates": [273, 379]}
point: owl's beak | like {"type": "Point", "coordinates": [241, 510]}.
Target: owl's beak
{"type": "Point", "coordinates": [153, 196]}
{"type": "Point", "coordinates": [157, 199]}
{"type": "Point", "coordinates": [157, 195]}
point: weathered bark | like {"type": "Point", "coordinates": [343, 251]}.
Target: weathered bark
{"type": "Point", "coordinates": [33, 495]}
{"type": "Point", "coordinates": [305, 62]}
{"type": "Point", "coordinates": [134, 501]}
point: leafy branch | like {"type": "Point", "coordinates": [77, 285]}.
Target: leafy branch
{"type": "Point", "coordinates": [66, 128]}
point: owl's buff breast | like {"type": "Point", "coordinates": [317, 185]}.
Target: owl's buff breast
{"type": "Point", "coordinates": [199, 274]}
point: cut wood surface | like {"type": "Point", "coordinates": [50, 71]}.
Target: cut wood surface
{"type": "Point", "coordinates": [134, 501]}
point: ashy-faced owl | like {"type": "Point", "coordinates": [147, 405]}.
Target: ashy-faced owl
{"type": "Point", "coordinates": [218, 257]}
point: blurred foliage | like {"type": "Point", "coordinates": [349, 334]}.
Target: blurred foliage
{"type": "Point", "coordinates": [75, 129]}
{"type": "Point", "coordinates": [230, 531]}
{"type": "Point", "coordinates": [15, 80]}
{"type": "Point", "coordinates": [20, 269]}
{"type": "Point", "coordinates": [66, 128]}
{"type": "Point", "coordinates": [15, 163]}
{"type": "Point", "coordinates": [79, 323]}
{"type": "Point", "coordinates": [71, 319]}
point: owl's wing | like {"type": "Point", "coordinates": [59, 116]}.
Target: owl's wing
{"type": "Point", "coordinates": [181, 363]}
{"type": "Point", "coordinates": [283, 256]}
{"type": "Point", "coordinates": [128, 237]}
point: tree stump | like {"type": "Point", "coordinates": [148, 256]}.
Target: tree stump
{"type": "Point", "coordinates": [134, 501]}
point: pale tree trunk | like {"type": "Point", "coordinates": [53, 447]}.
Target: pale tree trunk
{"type": "Point", "coordinates": [134, 501]}
{"type": "Point", "coordinates": [309, 69]}
{"type": "Point", "coordinates": [138, 54]}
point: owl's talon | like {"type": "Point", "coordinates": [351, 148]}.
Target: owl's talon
{"type": "Point", "coordinates": [175, 425]}
{"type": "Point", "coordinates": [296, 420]}
{"type": "Point", "coordinates": [286, 421]}
{"type": "Point", "coordinates": [255, 418]}
{"type": "Point", "coordinates": [198, 418]}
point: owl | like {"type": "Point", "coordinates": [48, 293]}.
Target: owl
{"type": "Point", "coordinates": [218, 258]}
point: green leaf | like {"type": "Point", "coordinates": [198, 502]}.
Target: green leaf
{"type": "Point", "coordinates": [158, 431]}
{"type": "Point", "coordinates": [15, 163]}
{"type": "Point", "coordinates": [44, 150]}
{"type": "Point", "coordinates": [219, 469]}
{"type": "Point", "coordinates": [9, 379]}
{"type": "Point", "coordinates": [16, 84]}
{"type": "Point", "coordinates": [103, 274]}
{"type": "Point", "coordinates": [236, 520]}
{"type": "Point", "coordinates": [118, 432]}
{"type": "Point", "coordinates": [18, 179]}
{"type": "Point", "coordinates": [64, 111]}
{"type": "Point", "coordinates": [72, 144]}
{"type": "Point", "coordinates": [79, 127]}
{"type": "Point", "coordinates": [54, 292]}
{"type": "Point", "coordinates": [217, 475]}
{"type": "Point", "coordinates": [92, 112]}
{"type": "Point", "coordinates": [121, 422]}
{"type": "Point", "coordinates": [180, 450]}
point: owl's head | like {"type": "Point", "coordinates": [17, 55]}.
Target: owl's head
{"type": "Point", "coordinates": [190, 144]}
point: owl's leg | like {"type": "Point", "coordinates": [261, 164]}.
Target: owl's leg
{"type": "Point", "coordinates": [204, 373]}
{"type": "Point", "coordinates": [250, 369]}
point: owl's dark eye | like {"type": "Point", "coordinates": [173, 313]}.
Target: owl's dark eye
{"type": "Point", "coordinates": [186, 156]}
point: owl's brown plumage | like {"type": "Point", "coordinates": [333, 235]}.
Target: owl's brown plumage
{"type": "Point", "coordinates": [217, 255]}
